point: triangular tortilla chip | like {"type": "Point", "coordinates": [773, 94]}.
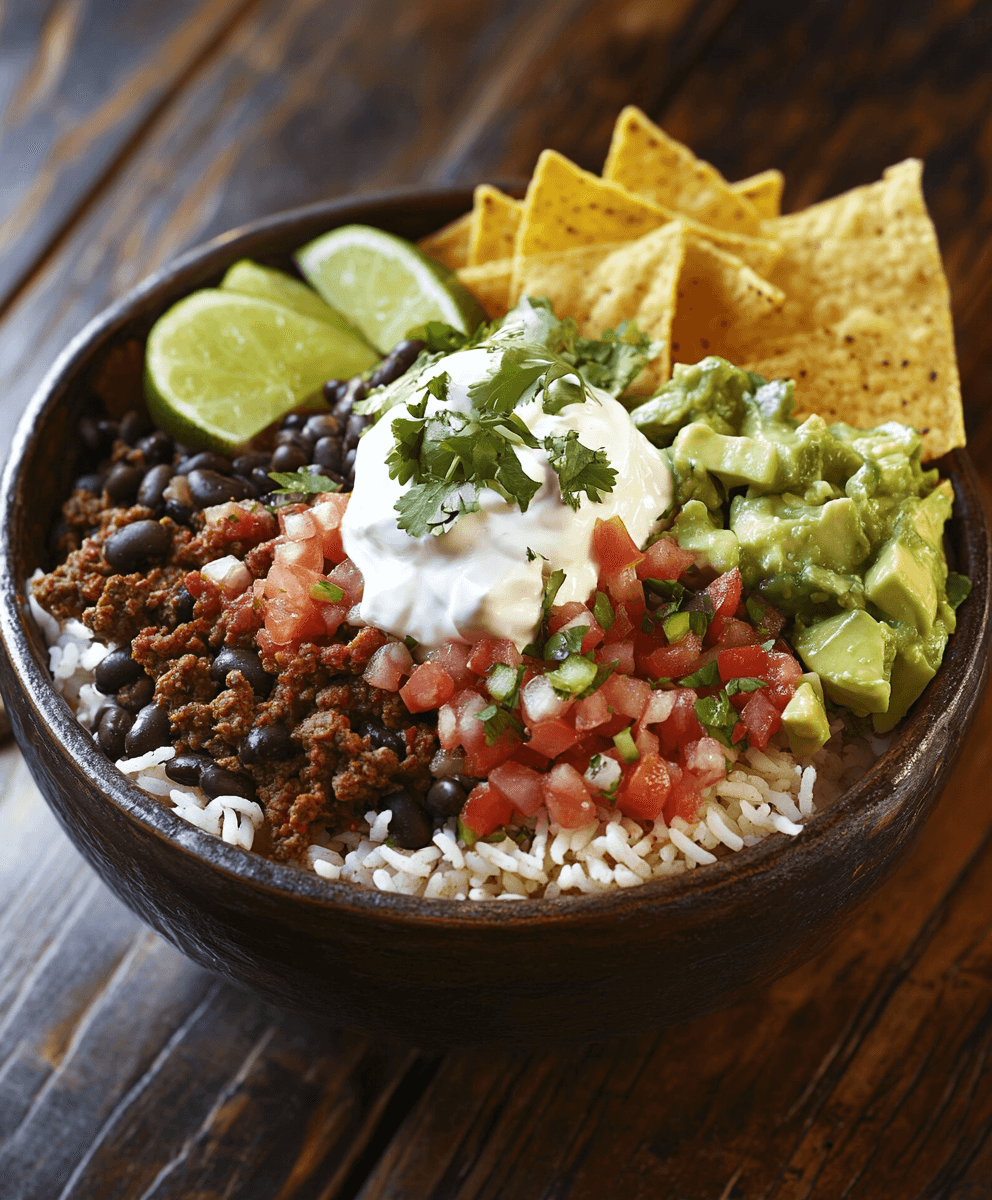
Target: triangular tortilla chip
{"type": "Point", "coordinates": [764, 191]}
{"type": "Point", "coordinates": [495, 220]}
{"type": "Point", "coordinates": [490, 284]}
{"type": "Point", "coordinates": [566, 206]}
{"type": "Point", "coordinates": [719, 301]}
{"type": "Point", "coordinates": [866, 327]}
{"type": "Point", "coordinates": [600, 286]}
{"type": "Point", "coordinates": [449, 246]}
{"type": "Point", "coordinates": [646, 161]}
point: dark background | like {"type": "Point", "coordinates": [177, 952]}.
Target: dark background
{"type": "Point", "coordinates": [134, 128]}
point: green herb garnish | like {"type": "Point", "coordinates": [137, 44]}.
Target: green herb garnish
{"type": "Point", "coordinates": [300, 482]}
{"type": "Point", "coordinates": [326, 591]}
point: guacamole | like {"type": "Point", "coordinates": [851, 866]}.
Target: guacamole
{"type": "Point", "coordinates": [841, 529]}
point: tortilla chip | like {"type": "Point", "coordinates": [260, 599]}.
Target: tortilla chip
{"type": "Point", "coordinates": [764, 191]}
{"type": "Point", "coordinates": [866, 327]}
{"type": "Point", "coordinates": [566, 207]}
{"type": "Point", "coordinates": [600, 286]}
{"type": "Point", "coordinates": [495, 220]}
{"type": "Point", "coordinates": [490, 284]}
{"type": "Point", "coordinates": [646, 161]}
{"type": "Point", "coordinates": [449, 246]}
{"type": "Point", "coordinates": [719, 301]}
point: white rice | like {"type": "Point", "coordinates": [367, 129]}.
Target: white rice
{"type": "Point", "coordinates": [767, 793]}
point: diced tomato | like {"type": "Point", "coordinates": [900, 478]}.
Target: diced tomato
{"type": "Point", "coordinates": [729, 631]}
{"type": "Point", "coordinates": [621, 653]}
{"type": "Point", "coordinates": [665, 559]}
{"type": "Point", "coordinates": [621, 627]}
{"type": "Point", "coordinates": [327, 516]}
{"type": "Point", "coordinates": [428, 687]}
{"type": "Point", "coordinates": [682, 726]}
{"type": "Point", "coordinates": [521, 785]}
{"type": "Point", "coordinates": [761, 718]}
{"type": "Point", "coordinates": [297, 525]}
{"type": "Point", "coordinates": [306, 554]}
{"type": "Point", "coordinates": [244, 521]}
{"type": "Point", "coordinates": [489, 650]}
{"type": "Point", "coordinates": [646, 742]}
{"type": "Point", "coordinates": [567, 797]}
{"type": "Point", "coordinates": [673, 662]}
{"type": "Point", "coordinates": [591, 712]}
{"type": "Point", "coordinates": [659, 708]}
{"type": "Point", "coordinates": [725, 592]}
{"type": "Point", "coordinates": [784, 673]}
{"type": "Point", "coordinates": [743, 662]}
{"type": "Point", "coordinates": [290, 613]}
{"type": "Point", "coordinates": [332, 615]}
{"type": "Point", "coordinates": [388, 666]}
{"type": "Point", "coordinates": [613, 547]}
{"type": "Point", "coordinates": [485, 810]}
{"type": "Point", "coordinates": [349, 579]}
{"type": "Point", "coordinates": [770, 619]}
{"type": "Point", "coordinates": [563, 613]}
{"type": "Point", "coordinates": [594, 631]}
{"type": "Point", "coordinates": [453, 657]}
{"type": "Point", "coordinates": [706, 758]}
{"type": "Point", "coordinates": [626, 695]}
{"type": "Point", "coordinates": [527, 756]}
{"type": "Point", "coordinates": [645, 791]}
{"type": "Point", "coordinates": [684, 798]}
{"type": "Point", "coordinates": [553, 737]}
{"type": "Point", "coordinates": [624, 587]}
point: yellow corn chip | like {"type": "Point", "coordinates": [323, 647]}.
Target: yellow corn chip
{"type": "Point", "coordinates": [449, 246]}
{"type": "Point", "coordinates": [764, 191]}
{"type": "Point", "coordinates": [719, 300]}
{"type": "Point", "coordinates": [646, 161]}
{"type": "Point", "coordinates": [566, 206]}
{"type": "Point", "coordinates": [495, 220]}
{"type": "Point", "coordinates": [866, 327]}
{"type": "Point", "coordinates": [600, 286]}
{"type": "Point", "coordinates": [490, 284]}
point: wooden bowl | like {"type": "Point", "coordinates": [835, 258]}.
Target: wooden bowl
{"type": "Point", "coordinates": [441, 972]}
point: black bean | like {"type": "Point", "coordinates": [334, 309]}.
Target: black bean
{"type": "Point", "coordinates": [109, 430]}
{"type": "Point", "coordinates": [150, 730]}
{"type": "Point", "coordinates": [137, 545]}
{"type": "Point", "coordinates": [289, 458]}
{"type": "Point", "coordinates": [294, 420]}
{"type": "Point", "coordinates": [181, 513]}
{"type": "Point", "coordinates": [353, 430]}
{"type": "Point", "coordinates": [334, 390]}
{"type": "Point", "coordinates": [133, 425]}
{"type": "Point", "coordinates": [157, 447]}
{"type": "Point", "coordinates": [90, 483]}
{"type": "Point", "coordinates": [123, 481]}
{"type": "Point", "coordinates": [92, 436]}
{"type": "Point", "coordinates": [112, 731]}
{"type": "Point", "coordinates": [396, 363]}
{"type": "Point", "coordinates": [245, 661]}
{"type": "Point", "coordinates": [354, 390]}
{"type": "Point", "coordinates": [206, 460]}
{"type": "Point", "coordinates": [348, 466]}
{"type": "Point", "coordinates": [117, 670]}
{"type": "Point", "coordinates": [445, 798]}
{"type": "Point", "coordinates": [260, 480]}
{"type": "Point", "coordinates": [208, 488]}
{"type": "Point", "coordinates": [320, 425]}
{"type": "Point", "coordinates": [266, 742]}
{"type": "Point", "coordinates": [410, 827]}
{"type": "Point", "coordinates": [136, 695]}
{"type": "Point", "coordinates": [244, 464]}
{"type": "Point", "coordinates": [153, 485]}
{"type": "Point", "coordinates": [186, 768]}
{"type": "Point", "coordinates": [182, 605]}
{"type": "Point", "coordinates": [466, 782]}
{"type": "Point", "coordinates": [215, 781]}
{"type": "Point", "coordinates": [327, 453]}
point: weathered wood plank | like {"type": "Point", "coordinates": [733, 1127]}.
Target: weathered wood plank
{"type": "Point", "coordinates": [78, 81]}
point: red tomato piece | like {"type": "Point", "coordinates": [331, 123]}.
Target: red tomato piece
{"type": "Point", "coordinates": [743, 662]}
{"type": "Point", "coordinates": [327, 516]}
{"type": "Point", "coordinates": [428, 687]}
{"type": "Point", "coordinates": [621, 627]}
{"type": "Point", "coordinates": [761, 718]}
{"type": "Point", "coordinates": [645, 791]}
{"type": "Point", "coordinates": [349, 579]}
{"type": "Point", "coordinates": [567, 797]}
{"type": "Point", "coordinates": [453, 657]}
{"type": "Point", "coordinates": [621, 653]}
{"type": "Point", "coordinates": [307, 554]}
{"type": "Point", "coordinates": [553, 737]}
{"type": "Point", "coordinates": [585, 620]}
{"type": "Point", "coordinates": [682, 726]}
{"type": "Point", "coordinates": [489, 650]}
{"type": "Point", "coordinates": [563, 614]}
{"type": "Point", "coordinates": [624, 587]}
{"type": "Point", "coordinates": [485, 810]}
{"type": "Point", "coordinates": [591, 712]}
{"type": "Point", "coordinates": [626, 695]}
{"type": "Point", "coordinates": [673, 662]}
{"type": "Point", "coordinates": [613, 547]}
{"type": "Point", "coordinates": [725, 592]}
{"type": "Point", "coordinates": [665, 559]}
{"type": "Point", "coordinates": [706, 758]}
{"type": "Point", "coordinates": [519, 784]}
{"type": "Point", "coordinates": [684, 798]}
{"type": "Point", "coordinates": [297, 524]}
{"type": "Point", "coordinates": [729, 631]}
{"type": "Point", "coordinates": [388, 666]}
{"type": "Point", "coordinates": [784, 673]}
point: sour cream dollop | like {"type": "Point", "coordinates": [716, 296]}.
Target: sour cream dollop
{"type": "Point", "coordinates": [477, 579]}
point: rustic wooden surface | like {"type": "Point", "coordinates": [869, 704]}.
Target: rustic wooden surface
{"type": "Point", "coordinates": [133, 129]}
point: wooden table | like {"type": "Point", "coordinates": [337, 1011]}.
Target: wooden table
{"type": "Point", "coordinates": [133, 129]}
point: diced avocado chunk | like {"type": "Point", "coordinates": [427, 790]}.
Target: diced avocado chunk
{"type": "Point", "coordinates": [932, 512]}
{"type": "Point", "coordinates": [712, 391]}
{"type": "Point", "coordinates": [852, 653]}
{"type": "Point", "coordinates": [696, 530]}
{"type": "Point", "coordinates": [815, 683]}
{"type": "Point", "coordinates": [781, 535]}
{"type": "Point", "coordinates": [910, 675]}
{"type": "Point", "coordinates": [805, 721]}
{"type": "Point", "coordinates": [903, 585]}
{"type": "Point", "coordinates": [736, 461]}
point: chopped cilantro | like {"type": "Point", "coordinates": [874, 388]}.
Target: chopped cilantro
{"type": "Point", "coordinates": [744, 685]}
{"type": "Point", "coordinates": [410, 642]}
{"type": "Point", "coordinates": [707, 676]}
{"type": "Point", "coordinates": [564, 643]}
{"type": "Point", "coordinates": [579, 469]}
{"type": "Point", "coordinates": [326, 591]}
{"type": "Point", "coordinates": [497, 721]}
{"type": "Point", "coordinates": [602, 610]}
{"type": "Point", "coordinates": [300, 482]}
{"type": "Point", "coordinates": [717, 716]}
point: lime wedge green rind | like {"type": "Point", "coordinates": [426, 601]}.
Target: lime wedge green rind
{"type": "Point", "coordinates": [220, 366]}
{"type": "Point", "coordinates": [266, 283]}
{"type": "Point", "coordinates": [385, 285]}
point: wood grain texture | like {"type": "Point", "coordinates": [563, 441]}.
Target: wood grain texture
{"type": "Point", "coordinates": [79, 79]}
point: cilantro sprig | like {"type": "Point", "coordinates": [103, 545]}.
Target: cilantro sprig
{"type": "Point", "coordinates": [301, 483]}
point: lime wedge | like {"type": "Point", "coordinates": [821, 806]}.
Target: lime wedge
{"type": "Point", "coordinates": [384, 284]}
{"type": "Point", "coordinates": [252, 279]}
{"type": "Point", "coordinates": [219, 366]}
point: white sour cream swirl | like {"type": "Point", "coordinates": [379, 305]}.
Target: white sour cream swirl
{"type": "Point", "coordinates": [476, 579]}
